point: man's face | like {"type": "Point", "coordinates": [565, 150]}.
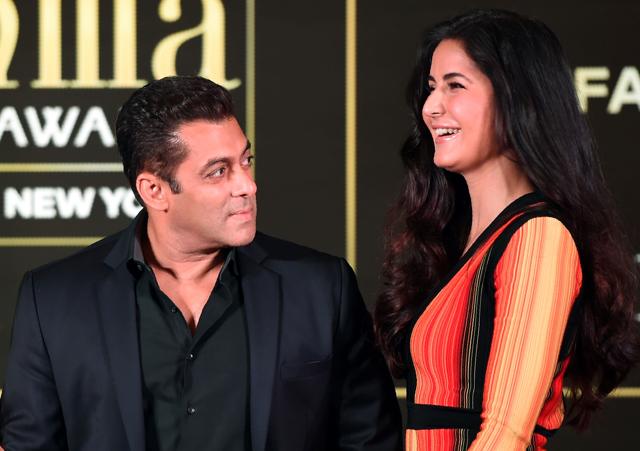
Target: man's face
{"type": "Point", "coordinates": [216, 206]}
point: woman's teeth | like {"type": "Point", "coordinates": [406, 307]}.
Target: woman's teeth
{"type": "Point", "coordinates": [446, 131]}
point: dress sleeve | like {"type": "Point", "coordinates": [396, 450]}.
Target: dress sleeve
{"type": "Point", "coordinates": [537, 279]}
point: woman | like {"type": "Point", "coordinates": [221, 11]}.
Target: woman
{"type": "Point", "coordinates": [505, 275]}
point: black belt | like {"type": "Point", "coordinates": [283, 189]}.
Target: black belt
{"type": "Point", "coordinates": [429, 416]}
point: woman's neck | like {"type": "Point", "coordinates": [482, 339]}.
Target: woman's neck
{"type": "Point", "coordinates": [491, 190]}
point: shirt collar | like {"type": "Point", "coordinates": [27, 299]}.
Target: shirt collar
{"type": "Point", "coordinates": [136, 260]}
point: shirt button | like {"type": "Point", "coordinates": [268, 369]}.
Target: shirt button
{"type": "Point", "coordinates": [174, 309]}
{"type": "Point", "coordinates": [191, 357]}
{"type": "Point", "coordinates": [191, 410]}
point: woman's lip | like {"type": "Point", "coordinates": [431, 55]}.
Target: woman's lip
{"type": "Point", "coordinates": [444, 138]}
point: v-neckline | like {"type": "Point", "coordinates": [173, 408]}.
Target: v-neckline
{"type": "Point", "coordinates": [507, 213]}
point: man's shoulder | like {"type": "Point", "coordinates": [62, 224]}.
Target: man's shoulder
{"type": "Point", "coordinates": [277, 249]}
{"type": "Point", "coordinates": [294, 260]}
{"type": "Point", "coordinates": [297, 265]}
{"type": "Point", "coordinates": [81, 262]}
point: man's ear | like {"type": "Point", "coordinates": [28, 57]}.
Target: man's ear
{"type": "Point", "coordinates": [153, 191]}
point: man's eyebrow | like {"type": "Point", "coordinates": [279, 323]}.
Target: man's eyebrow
{"type": "Point", "coordinates": [451, 75]}
{"type": "Point", "coordinates": [213, 162]}
{"type": "Point", "coordinates": [224, 159]}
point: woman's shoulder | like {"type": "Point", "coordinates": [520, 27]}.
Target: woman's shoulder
{"type": "Point", "coordinates": [534, 240]}
{"type": "Point", "coordinates": [539, 244]}
{"type": "Point", "coordinates": [540, 232]}
{"type": "Point", "coordinates": [539, 225]}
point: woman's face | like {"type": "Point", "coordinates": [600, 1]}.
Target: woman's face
{"type": "Point", "coordinates": [459, 111]}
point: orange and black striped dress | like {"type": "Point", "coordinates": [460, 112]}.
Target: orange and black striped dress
{"type": "Point", "coordinates": [488, 351]}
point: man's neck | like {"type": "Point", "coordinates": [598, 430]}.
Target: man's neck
{"type": "Point", "coordinates": [175, 258]}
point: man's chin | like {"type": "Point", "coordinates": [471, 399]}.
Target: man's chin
{"type": "Point", "coordinates": [244, 238]}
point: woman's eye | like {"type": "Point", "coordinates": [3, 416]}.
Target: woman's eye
{"type": "Point", "coordinates": [455, 85]}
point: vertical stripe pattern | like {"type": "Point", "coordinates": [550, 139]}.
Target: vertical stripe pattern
{"type": "Point", "coordinates": [490, 340]}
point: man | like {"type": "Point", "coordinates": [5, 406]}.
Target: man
{"type": "Point", "coordinates": [188, 330]}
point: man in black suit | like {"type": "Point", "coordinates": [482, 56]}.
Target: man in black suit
{"type": "Point", "coordinates": [189, 330]}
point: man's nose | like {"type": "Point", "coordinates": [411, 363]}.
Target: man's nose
{"type": "Point", "coordinates": [244, 185]}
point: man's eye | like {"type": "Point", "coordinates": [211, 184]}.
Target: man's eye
{"type": "Point", "coordinates": [218, 172]}
{"type": "Point", "coordinates": [248, 161]}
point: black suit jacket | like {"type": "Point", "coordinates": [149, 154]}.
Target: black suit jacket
{"type": "Point", "coordinates": [73, 378]}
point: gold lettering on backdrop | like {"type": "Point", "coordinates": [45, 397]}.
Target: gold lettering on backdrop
{"type": "Point", "coordinates": [9, 30]}
{"type": "Point", "coordinates": [87, 45]}
{"type": "Point", "coordinates": [125, 46]}
{"type": "Point", "coordinates": [50, 46]}
{"type": "Point", "coordinates": [212, 30]}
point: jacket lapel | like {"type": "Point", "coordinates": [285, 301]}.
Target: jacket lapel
{"type": "Point", "coordinates": [261, 292]}
{"type": "Point", "coordinates": [117, 310]}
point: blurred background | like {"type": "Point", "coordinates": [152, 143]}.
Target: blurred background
{"type": "Point", "coordinates": [319, 87]}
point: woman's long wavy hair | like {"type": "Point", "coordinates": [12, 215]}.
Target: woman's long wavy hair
{"type": "Point", "coordinates": [539, 119]}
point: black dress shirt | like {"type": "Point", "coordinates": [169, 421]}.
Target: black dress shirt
{"type": "Point", "coordinates": [195, 385]}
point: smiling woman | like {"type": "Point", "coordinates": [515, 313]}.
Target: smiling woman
{"type": "Point", "coordinates": [459, 111]}
{"type": "Point", "coordinates": [506, 275]}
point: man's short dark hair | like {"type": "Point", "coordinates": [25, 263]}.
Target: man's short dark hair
{"type": "Point", "coordinates": [146, 128]}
